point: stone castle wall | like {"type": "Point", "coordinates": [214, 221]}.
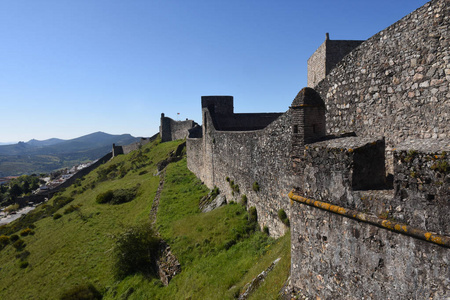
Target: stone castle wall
{"type": "Point", "coordinates": [171, 130]}
{"type": "Point", "coordinates": [396, 83]}
{"type": "Point", "coordinates": [117, 150]}
{"type": "Point", "coordinates": [335, 257]}
{"type": "Point", "coordinates": [246, 157]}
{"type": "Point", "coordinates": [325, 58]}
{"type": "Point", "coordinates": [370, 236]}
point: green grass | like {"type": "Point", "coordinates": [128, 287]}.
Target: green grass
{"type": "Point", "coordinates": [219, 251]}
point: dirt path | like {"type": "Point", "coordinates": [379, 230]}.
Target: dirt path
{"type": "Point", "coordinates": [167, 264]}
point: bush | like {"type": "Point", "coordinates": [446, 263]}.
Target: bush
{"type": "Point", "coordinates": [136, 251]}
{"type": "Point", "coordinates": [61, 201]}
{"type": "Point", "coordinates": [256, 186]}
{"type": "Point", "coordinates": [266, 230]}
{"type": "Point", "coordinates": [26, 232]}
{"type": "Point", "coordinates": [4, 240]}
{"type": "Point", "coordinates": [82, 291]}
{"type": "Point", "coordinates": [72, 208]}
{"type": "Point", "coordinates": [105, 197]}
{"type": "Point", "coordinates": [14, 238]}
{"type": "Point", "coordinates": [244, 200]}
{"type": "Point", "coordinates": [123, 195]}
{"type": "Point", "coordinates": [117, 196]}
{"type": "Point", "coordinates": [23, 264]}
{"type": "Point", "coordinates": [283, 217]}
{"type": "Point", "coordinates": [56, 216]}
{"type": "Point", "coordinates": [19, 245]}
{"type": "Point", "coordinates": [12, 207]}
{"type": "Point", "coordinates": [252, 215]}
{"type": "Point", "coordinates": [214, 193]}
{"type": "Point", "coordinates": [234, 187]}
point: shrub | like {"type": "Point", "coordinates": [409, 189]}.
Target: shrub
{"type": "Point", "coordinates": [214, 193]}
{"type": "Point", "coordinates": [117, 196]}
{"type": "Point", "coordinates": [252, 215]}
{"type": "Point", "coordinates": [4, 240]}
{"type": "Point", "coordinates": [123, 195]}
{"type": "Point", "coordinates": [26, 232]}
{"type": "Point", "coordinates": [82, 291]}
{"type": "Point", "coordinates": [12, 207]}
{"type": "Point", "coordinates": [266, 230]}
{"type": "Point", "coordinates": [256, 186]}
{"type": "Point", "coordinates": [234, 187]}
{"type": "Point", "coordinates": [283, 217]}
{"type": "Point", "coordinates": [23, 264]}
{"type": "Point", "coordinates": [441, 166]}
{"type": "Point", "coordinates": [19, 245]}
{"type": "Point", "coordinates": [105, 197]}
{"type": "Point", "coordinates": [136, 251]}
{"type": "Point", "coordinates": [244, 200]}
{"type": "Point", "coordinates": [14, 238]}
{"type": "Point", "coordinates": [56, 216]}
{"type": "Point", "coordinates": [72, 208]}
{"type": "Point", "coordinates": [61, 201]}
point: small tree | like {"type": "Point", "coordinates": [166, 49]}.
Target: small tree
{"type": "Point", "coordinates": [136, 251]}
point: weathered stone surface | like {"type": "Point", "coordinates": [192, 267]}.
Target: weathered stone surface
{"type": "Point", "coordinates": [402, 62]}
{"type": "Point", "coordinates": [171, 130]}
{"type": "Point", "coordinates": [246, 157]}
{"type": "Point", "coordinates": [392, 92]}
{"type": "Point", "coordinates": [334, 257]}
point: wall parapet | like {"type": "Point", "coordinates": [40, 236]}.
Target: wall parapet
{"type": "Point", "coordinates": [374, 220]}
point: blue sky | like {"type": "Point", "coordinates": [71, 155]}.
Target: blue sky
{"type": "Point", "coordinates": [70, 68]}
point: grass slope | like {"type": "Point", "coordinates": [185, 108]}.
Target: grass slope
{"type": "Point", "coordinates": [218, 251]}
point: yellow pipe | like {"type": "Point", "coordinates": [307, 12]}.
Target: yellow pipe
{"type": "Point", "coordinates": [431, 237]}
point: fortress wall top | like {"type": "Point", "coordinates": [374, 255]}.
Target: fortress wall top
{"type": "Point", "coordinates": [245, 158]}
{"type": "Point", "coordinates": [396, 83]}
{"type": "Point", "coordinates": [325, 58]}
{"type": "Point", "coordinates": [171, 130]}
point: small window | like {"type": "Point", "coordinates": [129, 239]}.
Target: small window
{"type": "Point", "coordinates": [295, 128]}
{"type": "Point", "coordinates": [314, 128]}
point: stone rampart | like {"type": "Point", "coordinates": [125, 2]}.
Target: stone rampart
{"type": "Point", "coordinates": [236, 160]}
{"type": "Point", "coordinates": [335, 257]}
{"type": "Point", "coordinates": [117, 150]}
{"type": "Point", "coordinates": [171, 130]}
{"type": "Point", "coordinates": [358, 233]}
{"type": "Point", "coordinates": [395, 84]}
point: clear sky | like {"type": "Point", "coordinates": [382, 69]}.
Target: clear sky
{"type": "Point", "coordinates": [72, 67]}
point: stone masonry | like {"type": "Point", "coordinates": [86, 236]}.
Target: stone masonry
{"type": "Point", "coordinates": [360, 163]}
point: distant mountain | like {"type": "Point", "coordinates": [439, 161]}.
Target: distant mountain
{"type": "Point", "coordinates": [52, 154]}
{"type": "Point", "coordinates": [48, 142]}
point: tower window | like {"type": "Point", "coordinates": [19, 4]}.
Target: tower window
{"type": "Point", "coordinates": [295, 129]}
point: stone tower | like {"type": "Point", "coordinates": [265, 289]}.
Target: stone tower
{"type": "Point", "coordinates": [308, 121]}
{"type": "Point", "coordinates": [325, 58]}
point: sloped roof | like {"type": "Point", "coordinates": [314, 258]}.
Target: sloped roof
{"type": "Point", "coordinates": [307, 97]}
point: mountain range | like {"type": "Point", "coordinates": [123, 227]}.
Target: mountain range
{"type": "Point", "coordinates": [49, 155]}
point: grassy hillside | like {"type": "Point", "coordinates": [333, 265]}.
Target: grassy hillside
{"type": "Point", "coordinates": [219, 251]}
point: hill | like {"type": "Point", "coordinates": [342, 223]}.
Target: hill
{"type": "Point", "coordinates": [49, 155]}
{"type": "Point", "coordinates": [72, 241]}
